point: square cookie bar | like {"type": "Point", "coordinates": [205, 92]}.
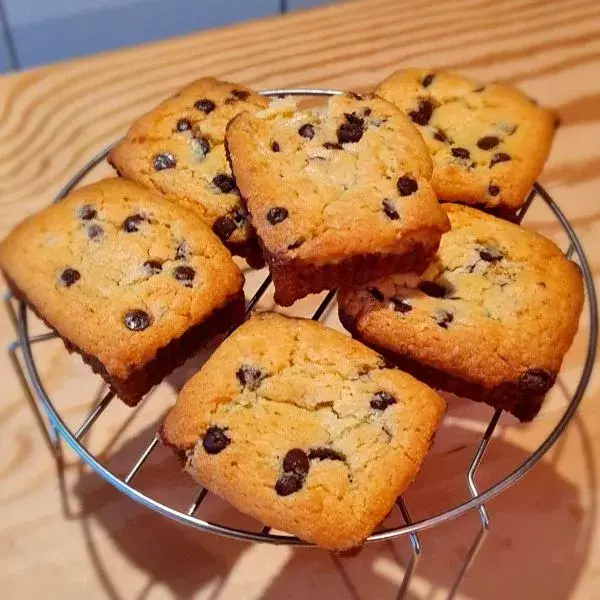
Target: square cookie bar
{"type": "Point", "coordinates": [488, 142]}
{"type": "Point", "coordinates": [177, 149]}
{"type": "Point", "coordinates": [304, 429]}
{"type": "Point", "coordinates": [490, 320]}
{"type": "Point", "coordinates": [336, 197]}
{"type": "Point", "coordinates": [132, 282]}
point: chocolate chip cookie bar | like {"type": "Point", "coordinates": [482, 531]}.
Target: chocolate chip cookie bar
{"type": "Point", "coordinates": [488, 142]}
{"type": "Point", "coordinates": [177, 149]}
{"type": "Point", "coordinates": [336, 197]}
{"type": "Point", "coordinates": [132, 282]}
{"type": "Point", "coordinates": [304, 429]}
{"type": "Point", "coordinates": [491, 319]}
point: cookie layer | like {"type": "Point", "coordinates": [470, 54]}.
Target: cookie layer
{"type": "Point", "coordinates": [304, 429]}
{"type": "Point", "coordinates": [332, 193]}
{"type": "Point", "coordinates": [488, 142]}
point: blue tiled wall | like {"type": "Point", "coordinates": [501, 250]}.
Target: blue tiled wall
{"type": "Point", "coordinates": [4, 56]}
{"type": "Point", "coordinates": [44, 31]}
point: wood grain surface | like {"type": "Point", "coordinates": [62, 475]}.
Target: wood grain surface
{"type": "Point", "coordinates": [545, 536]}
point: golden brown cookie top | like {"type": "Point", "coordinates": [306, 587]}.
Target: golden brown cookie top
{"type": "Point", "coordinates": [304, 428]}
{"type": "Point", "coordinates": [177, 149]}
{"type": "Point", "coordinates": [119, 271]}
{"type": "Point", "coordinates": [497, 302]}
{"type": "Point", "coordinates": [322, 186]}
{"type": "Point", "coordinates": [489, 142]}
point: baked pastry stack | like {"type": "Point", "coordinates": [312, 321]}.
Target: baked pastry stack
{"type": "Point", "coordinates": [178, 149]}
{"type": "Point", "coordinates": [132, 282]}
{"type": "Point", "coordinates": [295, 424]}
{"type": "Point", "coordinates": [313, 434]}
{"type": "Point", "coordinates": [336, 198]}
{"type": "Point", "coordinates": [488, 142]}
{"type": "Point", "coordinates": [491, 319]}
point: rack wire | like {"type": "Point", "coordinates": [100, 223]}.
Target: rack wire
{"type": "Point", "coordinates": [55, 431]}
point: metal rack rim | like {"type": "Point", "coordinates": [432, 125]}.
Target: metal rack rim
{"type": "Point", "coordinates": [410, 528]}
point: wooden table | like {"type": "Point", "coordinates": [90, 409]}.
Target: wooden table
{"type": "Point", "coordinates": [545, 539]}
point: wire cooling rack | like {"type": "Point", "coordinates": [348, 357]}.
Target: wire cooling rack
{"type": "Point", "coordinates": [54, 428]}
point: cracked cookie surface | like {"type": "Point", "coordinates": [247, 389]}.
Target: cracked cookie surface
{"type": "Point", "coordinates": [177, 149]}
{"type": "Point", "coordinates": [491, 318]}
{"type": "Point", "coordinates": [120, 272]}
{"type": "Point", "coordinates": [327, 191]}
{"type": "Point", "coordinates": [488, 142]}
{"type": "Point", "coordinates": [304, 429]}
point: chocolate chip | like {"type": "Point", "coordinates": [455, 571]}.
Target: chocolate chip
{"type": "Point", "coordinates": [277, 214]}
{"type": "Point", "coordinates": [488, 142]}
{"type": "Point", "coordinates": [332, 146]}
{"type": "Point", "coordinates": [69, 276]}
{"type": "Point", "coordinates": [498, 158]}
{"type": "Point", "coordinates": [239, 216]}
{"type": "Point", "coordinates": [367, 111]}
{"type": "Point", "coordinates": [406, 185]}
{"type": "Point", "coordinates": [349, 133]}
{"type": "Point", "coordinates": [493, 190]}
{"type": "Point", "coordinates": [184, 125]}
{"type": "Point", "coordinates": [288, 483]}
{"type": "Point", "coordinates": [390, 210]}
{"type": "Point", "coordinates": [153, 267]}
{"type": "Point", "coordinates": [325, 454]}
{"type": "Point", "coordinates": [376, 294]}
{"type": "Point", "coordinates": [536, 381]}
{"type": "Point", "coordinates": [401, 305]}
{"type": "Point", "coordinates": [250, 377]}
{"type": "Point", "coordinates": [443, 317]}
{"type": "Point", "coordinates": [275, 147]}
{"type": "Point", "coordinates": [94, 231]}
{"type": "Point", "coordinates": [489, 254]}
{"type": "Point", "coordinates": [164, 161]}
{"type": "Point", "coordinates": [460, 153]}
{"type": "Point", "coordinates": [422, 114]}
{"type": "Point", "coordinates": [131, 223]}
{"type": "Point", "coordinates": [433, 289]}
{"type": "Point", "coordinates": [205, 105]}
{"type": "Point", "coordinates": [381, 400]}
{"type": "Point", "coordinates": [225, 183]}
{"type": "Point", "coordinates": [136, 320]}
{"type": "Point", "coordinates": [440, 136]}
{"type": "Point", "coordinates": [201, 147]}
{"type": "Point", "coordinates": [354, 118]}
{"type": "Point", "coordinates": [215, 440]}
{"type": "Point", "coordinates": [224, 227]}
{"type": "Point", "coordinates": [240, 94]}
{"type": "Point", "coordinates": [307, 131]}
{"type": "Point", "coordinates": [184, 275]}
{"type": "Point", "coordinates": [87, 213]}
{"type": "Point", "coordinates": [182, 251]}
{"type": "Point", "coordinates": [296, 461]}
{"type": "Point", "coordinates": [428, 79]}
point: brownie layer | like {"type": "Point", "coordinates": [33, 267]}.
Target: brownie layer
{"type": "Point", "coordinates": [133, 388]}
{"type": "Point", "coordinates": [512, 396]}
{"type": "Point", "coordinates": [294, 278]}
{"type": "Point", "coordinates": [249, 250]}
